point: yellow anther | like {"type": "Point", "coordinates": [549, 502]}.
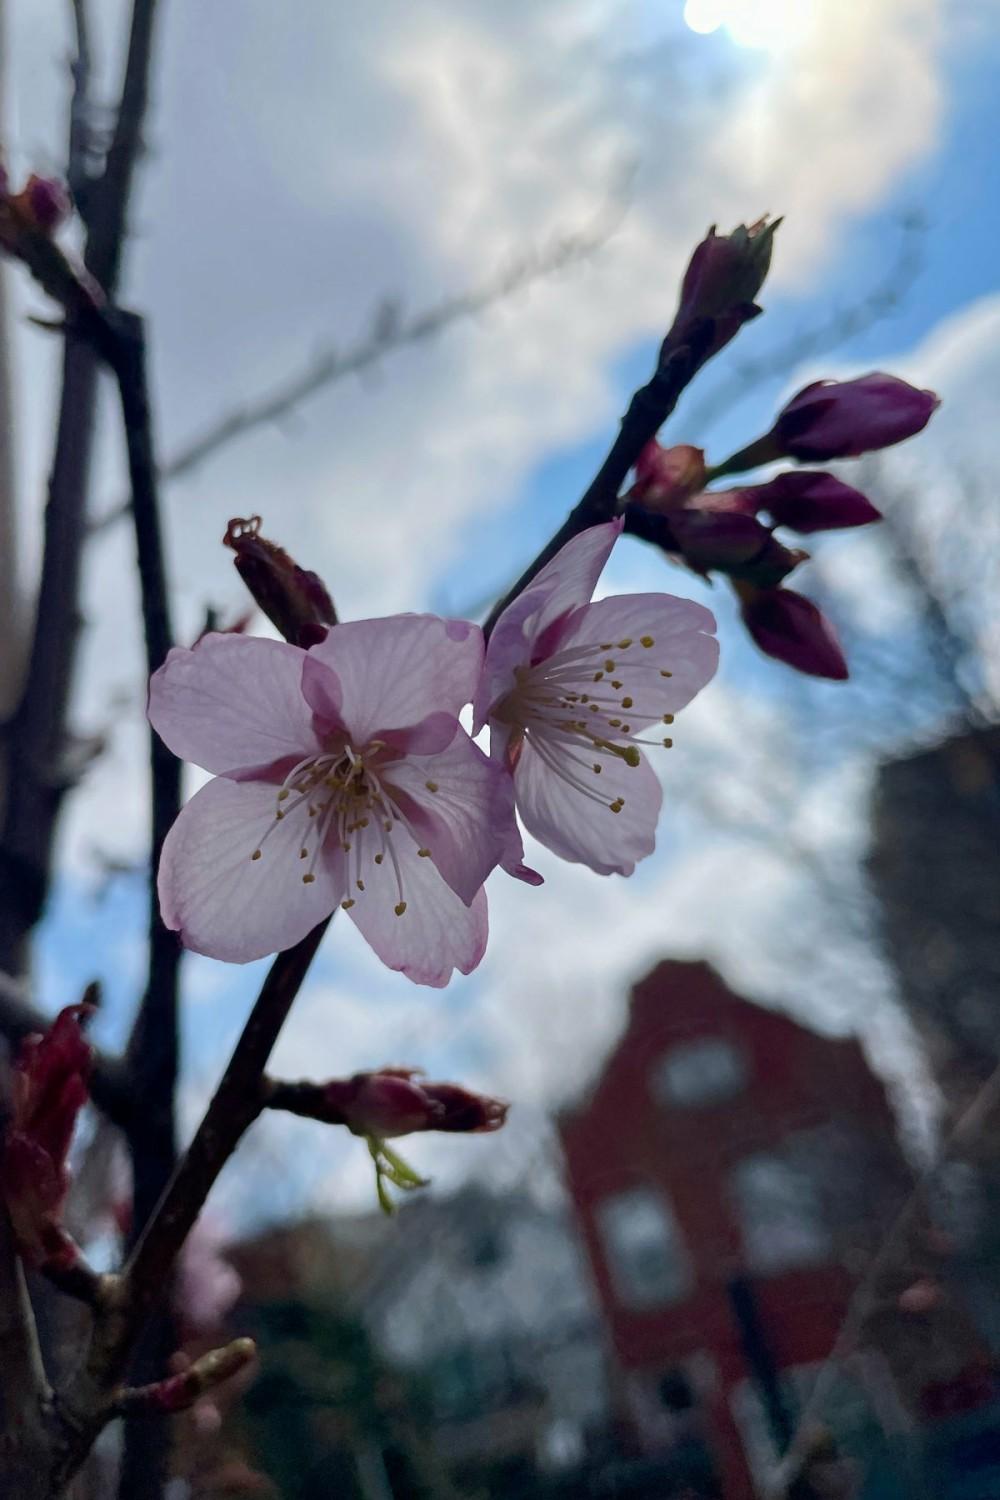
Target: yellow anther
{"type": "Point", "coordinates": [667, 744]}
{"type": "Point", "coordinates": [303, 854]}
{"type": "Point", "coordinates": [361, 885]}
{"type": "Point", "coordinates": [431, 786]}
{"type": "Point", "coordinates": [594, 708]}
{"type": "Point", "coordinates": [598, 676]}
{"type": "Point", "coordinates": [584, 697]}
{"type": "Point", "coordinates": [664, 673]}
{"type": "Point", "coordinates": [609, 665]}
{"type": "Point", "coordinates": [348, 903]}
{"type": "Point", "coordinates": [424, 853]}
{"type": "Point", "coordinates": [256, 854]}
{"type": "Point", "coordinates": [631, 756]}
{"type": "Point", "coordinates": [668, 718]}
{"type": "Point", "coordinates": [615, 723]}
{"type": "Point", "coordinates": [597, 767]}
{"type": "Point", "coordinates": [605, 646]}
{"type": "Point", "coordinates": [283, 794]}
{"type": "Point", "coordinates": [625, 644]}
{"type": "Point", "coordinates": [308, 879]}
{"type": "Point", "coordinates": [617, 805]}
{"type": "Point", "coordinates": [279, 815]}
{"type": "Point", "coordinates": [379, 858]}
{"type": "Point", "coordinates": [399, 908]}
{"type": "Point", "coordinates": [626, 703]}
{"type": "Point", "coordinates": [617, 685]}
{"type": "Point", "coordinates": [646, 640]}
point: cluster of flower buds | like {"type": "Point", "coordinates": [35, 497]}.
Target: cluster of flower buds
{"type": "Point", "coordinates": [50, 1078]}
{"type": "Point", "coordinates": [720, 531]}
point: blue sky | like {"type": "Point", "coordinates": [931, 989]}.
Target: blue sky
{"type": "Point", "coordinates": [412, 153]}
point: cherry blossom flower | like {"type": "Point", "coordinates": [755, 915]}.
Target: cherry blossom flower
{"type": "Point", "coordinates": [572, 689]}
{"type": "Point", "coordinates": [342, 777]}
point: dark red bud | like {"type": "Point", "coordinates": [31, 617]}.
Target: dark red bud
{"type": "Point", "coordinates": [46, 202]}
{"type": "Point", "coordinates": [845, 418]}
{"type": "Point", "coordinates": [719, 290]}
{"type": "Point", "coordinates": [808, 500]}
{"type": "Point", "coordinates": [49, 1088]}
{"type": "Point", "coordinates": [665, 478]}
{"type": "Point", "coordinates": [790, 628]}
{"type": "Point", "coordinates": [294, 599]}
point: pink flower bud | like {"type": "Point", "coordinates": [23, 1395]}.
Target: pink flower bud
{"type": "Point", "coordinates": [719, 290]}
{"type": "Point", "coordinates": [49, 1090]}
{"type": "Point", "coordinates": [790, 628]}
{"type": "Point", "coordinates": [293, 598]}
{"type": "Point", "coordinates": [391, 1102]}
{"type": "Point", "coordinates": [808, 500]}
{"type": "Point", "coordinates": [665, 478]}
{"type": "Point", "coordinates": [845, 418]}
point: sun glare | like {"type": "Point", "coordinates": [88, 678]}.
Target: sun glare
{"type": "Point", "coordinates": [769, 25]}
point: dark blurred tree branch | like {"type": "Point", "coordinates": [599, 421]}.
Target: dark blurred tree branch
{"type": "Point", "coordinates": [37, 738]}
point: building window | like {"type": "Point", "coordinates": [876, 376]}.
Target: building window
{"type": "Point", "coordinates": [706, 1071]}
{"type": "Point", "coordinates": [780, 1215]}
{"type": "Point", "coordinates": [643, 1247]}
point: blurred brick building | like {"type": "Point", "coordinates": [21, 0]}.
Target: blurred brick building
{"type": "Point", "coordinates": [730, 1170]}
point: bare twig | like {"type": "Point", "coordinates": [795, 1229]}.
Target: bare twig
{"type": "Point", "coordinates": [23, 1388]}
{"type": "Point", "coordinates": [79, 156]}
{"type": "Point", "coordinates": [648, 410]}
{"type": "Point", "coordinates": [388, 333]}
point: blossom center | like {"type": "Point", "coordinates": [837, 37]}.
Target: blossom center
{"type": "Point", "coordinates": [583, 709]}
{"type": "Point", "coordinates": [346, 802]}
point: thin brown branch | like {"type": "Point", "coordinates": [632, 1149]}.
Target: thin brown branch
{"type": "Point", "coordinates": [648, 410]}
{"type": "Point", "coordinates": [23, 1387]}
{"type": "Point", "coordinates": [79, 155]}
{"type": "Point", "coordinates": [37, 734]}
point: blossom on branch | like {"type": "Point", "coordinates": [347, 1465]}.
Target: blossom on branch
{"type": "Point", "coordinates": [391, 1102]}
{"type": "Point", "coordinates": [49, 1086]}
{"type": "Point", "coordinates": [719, 290]}
{"type": "Point", "coordinates": [342, 778]}
{"type": "Point", "coordinates": [571, 690]}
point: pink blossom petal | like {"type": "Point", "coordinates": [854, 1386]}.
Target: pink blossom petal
{"type": "Point", "coordinates": [233, 701]}
{"type": "Point", "coordinates": [684, 645]}
{"type": "Point", "coordinates": [394, 672]}
{"type": "Point", "coordinates": [223, 902]}
{"type": "Point", "coordinates": [567, 581]}
{"type": "Point", "coordinates": [584, 831]}
{"type": "Point", "coordinates": [436, 933]}
{"type": "Point", "coordinates": [321, 689]}
{"type": "Point", "coordinates": [458, 804]}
